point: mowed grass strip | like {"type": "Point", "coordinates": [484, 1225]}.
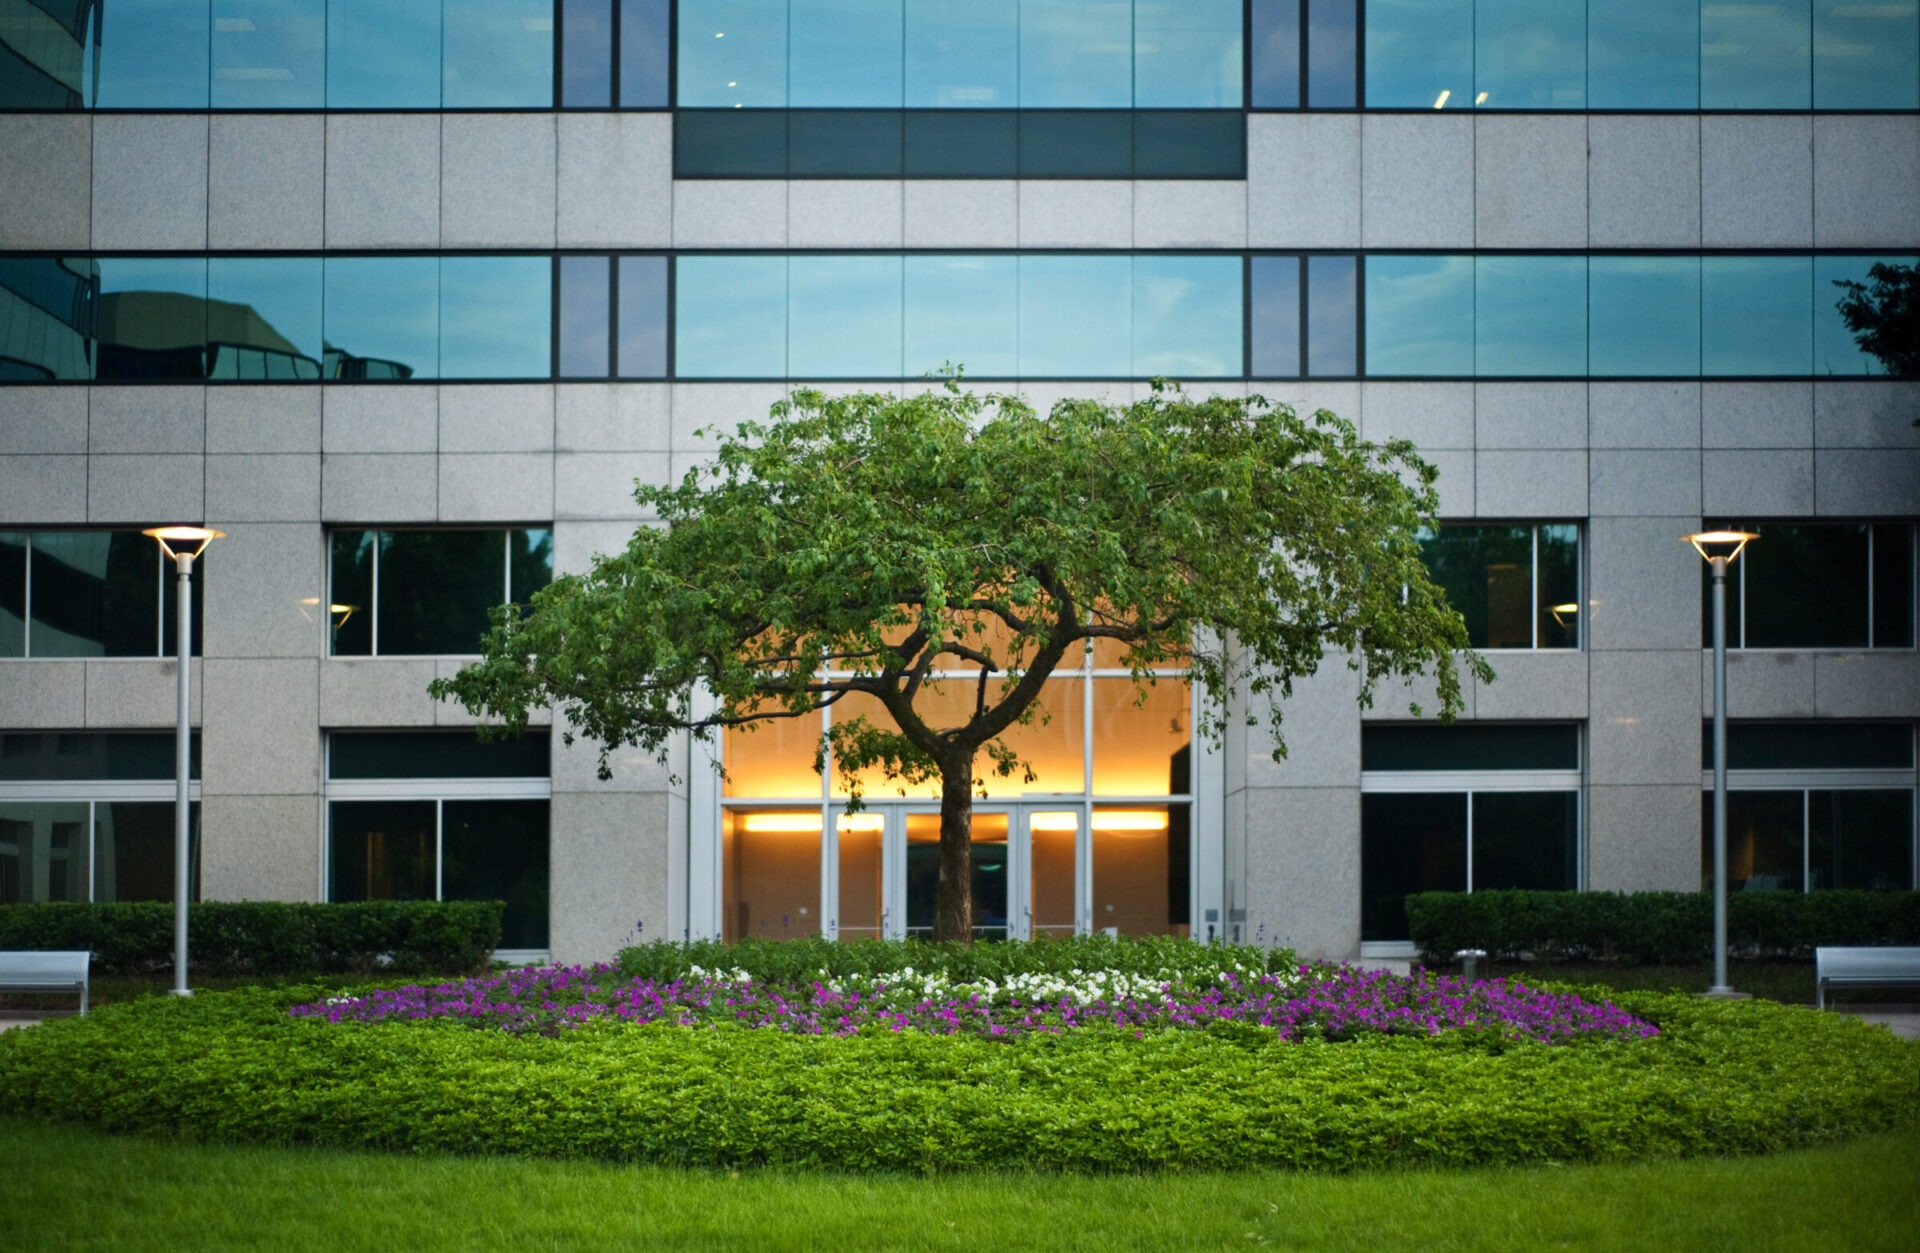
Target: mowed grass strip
{"type": "Point", "coordinates": [66, 1187]}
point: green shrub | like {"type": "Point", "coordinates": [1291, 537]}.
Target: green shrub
{"type": "Point", "coordinates": [233, 1067]}
{"type": "Point", "coordinates": [1655, 927]}
{"type": "Point", "coordinates": [796, 961]}
{"type": "Point", "coordinates": [266, 937]}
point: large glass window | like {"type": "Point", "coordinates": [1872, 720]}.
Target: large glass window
{"type": "Point", "coordinates": [90, 817]}
{"type": "Point", "coordinates": [1819, 585]}
{"type": "Point", "coordinates": [1516, 584]}
{"type": "Point", "coordinates": [422, 816]}
{"type": "Point", "coordinates": [1075, 316]}
{"type": "Point", "coordinates": [1461, 809]}
{"type": "Point", "coordinates": [1814, 805]}
{"type": "Point", "coordinates": [428, 592]}
{"type": "Point", "coordinates": [1304, 311]}
{"type": "Point", "coordinates": [90, 594]}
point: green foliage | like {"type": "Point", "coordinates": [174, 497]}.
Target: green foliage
{"type": "Point", "coordinates": [798, 961]}
{"type": "Point", "coordinates": [1884, 315]}
{"type": "Point", "coordinates": [233, 1068]}
{"type": "Point", "coordinates": [266, 937]}
{"type": "Point", "coordinates": [1659, 927]}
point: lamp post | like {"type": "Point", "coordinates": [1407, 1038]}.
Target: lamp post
{"type": "Point", "coordinates": [1721, 549]}
{"type": "Point", "coordinates": [182, 544]}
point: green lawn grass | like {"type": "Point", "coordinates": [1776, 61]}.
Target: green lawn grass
{"type": "Point", "coordinates": [69, 1187]}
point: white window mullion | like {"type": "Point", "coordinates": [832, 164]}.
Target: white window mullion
{"type": "Point", "coordinates": [1469, 841]}
{"type": "Point", "coordinates": [26, 609]}
{"type": "Point", "coordinates": [439, 844]}
{"type": "Point", "coordinates": [1806, 841]}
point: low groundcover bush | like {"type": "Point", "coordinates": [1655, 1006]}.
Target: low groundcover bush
{"type": "Point", "coordinates": [1421, 1072]}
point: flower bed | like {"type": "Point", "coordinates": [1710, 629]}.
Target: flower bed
{"type": "Point", "coordinates": [1314, 1002]}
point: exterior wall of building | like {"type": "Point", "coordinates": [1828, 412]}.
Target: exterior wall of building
{"type": "Point", "coordinates": [1637, 464]}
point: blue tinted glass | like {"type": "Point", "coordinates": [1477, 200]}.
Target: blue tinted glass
{"type": "Point", "coordinates": [643, 53]}
{"type": "Point", "coordinates": [1075, 56]}
{"type": "Point", "coordinates": [1530, 316]}
{"type": "Point", "coordinates": [1756, 316]}
{"type": "Point", "coordinates": [13, 593]}
{"type": "Point", "coordinates": [1866, 56]}
{"type": "Point", "coordinates": [263, 317]}
{"type": "Point", "coordinates": [1075, 315]}
{"type": "Point", "coordinates": [152, 318]}
{"type": "Point", "coordinates": [1756, 56]}
{"type": "Point", "coordinates": [382, 317]}
{"type": "Point", "coordinates": [844, 54]}
{"type": "Point", "coordinates": [586, 300]}
{"type": "Point", "coordinates": [1274, 42]}
{"type": "Point", "coordinates": [730, 315]}
{"type": "Point", "coordinates": [1333, 58]}
{"type": "Point", "coordinates": [152, 55]}
{"type": "Point", "coordinates": [1186, 317]}
{"type": "Point", "coordinates": [733, 53]}
{"type": "Point", "coordinates": [643, 318]}
{"type": "Point", "coordinates": [1420, 54]}
{"type": "Point", "coordinates": [963, 311]}
{"type": "Point", "coordinates": [498, 54]}
{"type": "Point", "coordinates": [1835, 349]}
{"type": "Point", "coordinates": [1643, 54]}
{"type": "Point", "coordinates": [586, 65]}
{"type": "Point", "coordinates": [496, 317]}
{"type": "Point", "coordinates": [1332, 315]}
{"type": "Point", "coordinates": [47, 315]}
{"type": "Point", "coordinates": [962, 54]}
{"type": "Point", "coordinates": [382, 55]}
{"type": "Point", "coordinates": [1644, 315]}
{"type": "Point", "coordinates": [1419, 315]}
{"type": "Point", "coordinates": [1186, 54]}
{"type": "Point", "coordinates": [843, 317]}
{"type": "Point", "coordinates": [269, 54]}
{"type": "Point", "coordinates": [1274, 302]}
{"type": "Point", "coordinates": [1530, 54]}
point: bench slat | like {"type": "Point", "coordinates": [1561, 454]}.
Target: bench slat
{"type": "Point", "coordinates": [1863, 967]}
{"type": "Point", "coordinates": [59, 970]}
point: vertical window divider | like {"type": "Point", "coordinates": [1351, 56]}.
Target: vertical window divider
{"type": "Point", "coordinates": [26, 608]}
{"type": "Point", "coordinates": [439, 844]}
{"type": "Point", "coordinates": [613, 317]}
{"type": "Point", "coordinates": [1533, 590]}
{"type": "Point", "coordinates": [1302, 276]}
{"type": "Point", "coordinates": [1806, 840]}
{"type": "Point", "coordinates": [1872, 569]}
{"type": "Point", "coordinates": [615, 10]}
{"type": "Point", "coordinates": [373, 646]}
{"type": "Point", "coordinates": [1469, 841]}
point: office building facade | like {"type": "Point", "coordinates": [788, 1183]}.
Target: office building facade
{"type": "Point", "coordinates": [404, 297]}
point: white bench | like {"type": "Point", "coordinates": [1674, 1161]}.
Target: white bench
{"type": "Point", "coordinates": [60, 971]}
{"type": "Point", "coordinates": [1863, 968]}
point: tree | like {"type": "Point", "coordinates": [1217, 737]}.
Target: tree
{"type": "Point", "coordinates": [1884, 316]}
{"type": "Point", "coordinates": [870, 544]}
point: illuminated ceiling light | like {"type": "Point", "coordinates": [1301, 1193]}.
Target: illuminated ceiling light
{"type": "Point", "coordinates": [1068, 821]}
{"type": "Point", "coordinates": [1562, 612]}
{"type": "Point", "coordinates": [733, 84]}
{"type": "Point", "coordinates": [1129, 820]}
{"type": "Point", "coordinates": [1441, 103]}
{"type": "Point", "coordinates": [1728, 544]}
{"type": "Point", "coordinates": [719, 34]}
{"type": "Point", "coordinates": [861, 822]}
{"type": "Point", "coordinates": [1481, 98]}
{"type": "Point", "coordinates": [787, 824]}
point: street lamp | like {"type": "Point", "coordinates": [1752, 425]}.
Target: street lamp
{"type": "Point", "coordinates": [182, 544]}
{"type": "Point", "coordinates": [1721, 549]}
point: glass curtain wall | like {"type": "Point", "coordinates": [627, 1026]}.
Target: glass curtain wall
{"type": "Point", "coordinates": [1817, 585]}
{"type": "Point", "coordinates": [1107, 802]}
{"type": "Point", "coordinates": [1517, 585]}
{"type": "Point", "coordinates": [442, 816]}
{"type": "Point", "coordinates": [1461, 809]}
{"type": "Point", "coordinates": [90, 817]}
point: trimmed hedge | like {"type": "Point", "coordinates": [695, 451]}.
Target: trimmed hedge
{"type": "Point", "coordinates": [234, 1068]}
{"type": "Point", "coordinates": [1655, 927]}
{"type": "Point", "coordinates": [798, 961]}
{"type": "Point", "coordinates": [266, 937]}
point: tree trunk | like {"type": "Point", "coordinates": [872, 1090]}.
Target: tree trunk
{"type": "Point", "coordinates": [953, 901]}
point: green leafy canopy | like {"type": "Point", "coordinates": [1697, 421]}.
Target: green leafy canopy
{"type": "Point", "coordinates": [881, 548]}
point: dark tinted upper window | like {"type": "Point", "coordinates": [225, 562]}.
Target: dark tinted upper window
{"type": "Point", "coordinates": [1470, 746]}
{"type": "Point", "coordinates": [436, 755]}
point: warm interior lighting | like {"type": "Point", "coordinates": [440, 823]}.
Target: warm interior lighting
{"type": "Point", "coordinates": [1481, 98]}
{"type": "Point", "coordinates": [861, 822]}
{"type": "Point", "coordinates": [1129, 820]}
{"type": "Point", "coordinates": [788, 824]}
{"type": "Point", "coordinates": [1441, 103]}
{"type": "Point", "coordinates": [169, 536]}
{"type": "Point", "coordinates": [1063, 821]}
{"type": "Point", "coordinates": [1728, 544]}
